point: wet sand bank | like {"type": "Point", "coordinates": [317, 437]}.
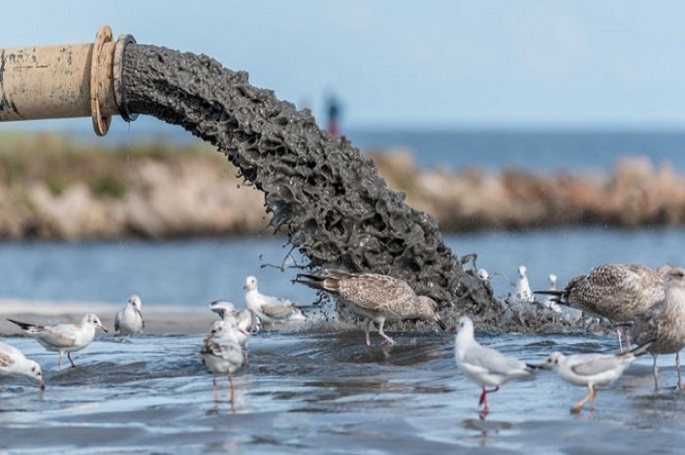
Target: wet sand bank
{"type": "Point", "coordinates": [159, 320]}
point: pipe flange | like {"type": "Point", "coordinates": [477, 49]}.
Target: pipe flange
{"type": "Point", "coordinates": [100, 123]}
{"type": "Point", "coordinates": [117, 70]}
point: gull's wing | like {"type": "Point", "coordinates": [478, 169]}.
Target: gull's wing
{"type": "Point", "coordinates": [280, 311]}
{"type": "Point", "coordinates": [595, 364]}
{"type": "Point", "coordinates": [492, 360]}
{"type": "Point", "coordinates": [5, 359]}
{"type": "Point", "coordinates": [61, 335]}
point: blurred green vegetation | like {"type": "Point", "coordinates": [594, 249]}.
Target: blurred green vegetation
{"type": "Point", "coordinates": [58, 161]}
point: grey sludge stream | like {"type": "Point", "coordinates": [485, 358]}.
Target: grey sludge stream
{"type": "Point", "coordinates": [321, 190]}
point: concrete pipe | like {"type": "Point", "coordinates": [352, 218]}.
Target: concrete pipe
{"type": "Point", "coordinates": [73, 80]}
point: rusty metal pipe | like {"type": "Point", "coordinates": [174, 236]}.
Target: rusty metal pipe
{"type": "Point", "coordinates": [64, 81]}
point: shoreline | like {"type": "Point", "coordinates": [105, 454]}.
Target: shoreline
{"type": "Point", "coordinates": [159, 320]}
{"type": "Point", "coordinates": [57, 189]}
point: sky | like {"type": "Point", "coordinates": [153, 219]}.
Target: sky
{"type": "Point", "coordinates": [418, 65]}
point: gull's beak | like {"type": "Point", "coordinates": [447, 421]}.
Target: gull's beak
{"type": "Point", "coordinates": [41, 384]}
{"type": "Point", "coordinates": [442, 325]}
{"type": "Point", "coordinates": [104, 329]}
{"type": "Point", "coordinates": [453, 328]}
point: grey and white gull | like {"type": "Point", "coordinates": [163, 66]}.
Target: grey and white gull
{"type": "Point", "coordinates": [376, 298]}
{"type": "Point", "coordinates": [245, 323]}
{"type": "Point", "coordinates": [270, 309]}
{"type": "Point", "coordinates": [484, 365]}
{"type": "Point", "coordinates": [523, 291]}
{"type": "Point", "coordinates": [64, 337]}
{"type": "Point", "coordinates": [13, 362]}
{"type": "Point", "coordinates": [591, 370]}
{"type": "Point", "coordinates": [222, 354]}
{"type": "Point", "coordinates": [129, 320]}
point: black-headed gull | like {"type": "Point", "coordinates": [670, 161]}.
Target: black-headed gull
{"type": "Point", "coordinates": [484, 365]}
{"type": "Point", "coordinates": [222, 354]}
{"type": "Point", "coordinates": [270, 309]}
{"type": "Point", "coordinates": [129, 320]}
{"type": "Point", "coordinates": [377, 298]}
{"type": "Point", "coordinates": [664, 323]}
{"type": "Point", "coordinates": [618, 292]}
{"type": "Point", "coordinates": [13, 361]}
{"type": "Point", "coordinates": [591, 370]}
{"type": "Point", "coordinates": [64, 337]}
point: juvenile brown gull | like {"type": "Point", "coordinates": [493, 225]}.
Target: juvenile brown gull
{"type": "Point", "coordinates": [664, 323]}
{"type": "Point", "coordinates": [618, 292]}
{"type": "Point", "coordinates": [13, 361]}
{"type": "Point", "coordinates": [64, 337]}
{"type": "Point", "coordinates": [377, 298]}
{"type": "Point", "coordinates": [591, 370]}
{"type": "Point", "coordinates": [484, 365]}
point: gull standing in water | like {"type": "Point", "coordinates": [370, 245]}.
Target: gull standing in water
{"type": "Point", "coordinates": [64, 337]}
{"type": "Point", "coordinates": [13, 361]}
{"type": "Point", "coordinates": [245, 322]}
{"type": "Point", "coordinates": [550, 300]}
{"type": "Point", "coordinates": [377, 298]}
{"type": "Point", "coordinates": [483, 365]}
{"type": "Point", "coordinates": [591, 370]}
{"type": "Point", "coordinates": [270, 309]}
{"type": "Point", "coordinates": [130, 321]}
{"type": "Point", "coordinates": [664, 323]}
{"type": "Point", "coordinates": [222, 354]}
{"type": "Point", "coordinates": [523, 291]}
{"type": "Point", "coordinates": [618, 292]}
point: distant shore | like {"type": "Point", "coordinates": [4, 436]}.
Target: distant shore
{"type": "Point", "coordinates": [53, 188]}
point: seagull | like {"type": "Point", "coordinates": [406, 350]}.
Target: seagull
{"type": "Point", "coordinates": [222, 354]}
{"type": "Point", "coordinates": [523, 291]}
{"type": "Point", "coordinates": [664, 323]}
{"type": "Point", "coordinates": [223, 308]}
{"type": "Point", "coordinates": [618, 292]}
{"type": "Point", "coordinates": [64, 337]}
{"type": "Point", "coordinates": [13, 361]}
{"type": "Point", "coordinates": [591, 370]}
{"type": "Point", "coordinates": [245, 322]}
{"type": "Point", "coordinates": [130, 321]}
{"type": "Point", "coordinates": [270, 309]}
{"type": "Point", "coordinates": [549, 301]}
{"type": "Point", "coordinates": [377, 298]}
{"type": "Point", "coordinates": [483, 275]}
{"type": "Point", "coordinates": [484, 365]}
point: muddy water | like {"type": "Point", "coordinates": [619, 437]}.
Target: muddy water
{"type": "Point", "coordinates": [322, 192]}
{"type": "Point", "coordinates": [322, 392]}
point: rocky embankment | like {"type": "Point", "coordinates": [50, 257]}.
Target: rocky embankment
{"type": "Point", "coordinates": [55, 189]}
{"type": "Point", "coordinates": [635, 193]}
